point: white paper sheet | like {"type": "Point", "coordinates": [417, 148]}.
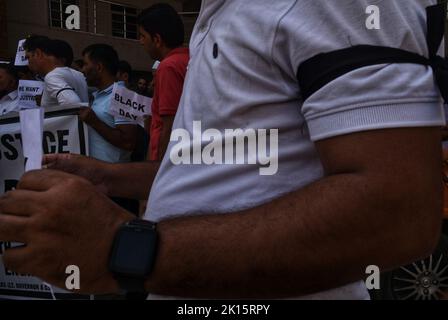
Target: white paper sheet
{"type": "Point", "coordinates": [31, 123]}
{"type": "Point", "coordinates": [21, 59]}
{"type": "Point", "coordinates": [129, 105]}
{"type": "Point", "coordinates": [27, 91]}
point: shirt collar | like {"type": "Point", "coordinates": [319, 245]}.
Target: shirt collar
{"type": "Point", "coordinates": [106, 91]}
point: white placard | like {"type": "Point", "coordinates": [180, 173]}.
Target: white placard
{"type": "Point", "coordinates": [28, 90]}
{"type": "Point", "coordinates": [129, 105]}
{"type": "Point", "coordinates": [21, 59]}
{"type": "Point", "coordinates": [31, 124]}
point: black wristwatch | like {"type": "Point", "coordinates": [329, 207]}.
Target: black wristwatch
{"type": "Point", "coordinates": [133, 254]}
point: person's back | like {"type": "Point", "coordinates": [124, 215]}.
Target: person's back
{"type": "Point", "coordinates": [74, 86]}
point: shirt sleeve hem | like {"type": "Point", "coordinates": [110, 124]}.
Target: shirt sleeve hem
{"type": "Point", "coordinates": [377, 117]}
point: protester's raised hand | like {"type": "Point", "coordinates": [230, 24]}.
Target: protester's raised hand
{"type": "Point", "coordinates": [88, 168]}
{"type": "Point", "coordinates": [62, 220]}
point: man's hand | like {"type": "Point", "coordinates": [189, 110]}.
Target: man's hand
{"type": "Point", "coordinates": [88, 168]}
{"type": "Point", "coordinates": [88, 116]}
{"type": "Point", "coordinates": [125, 180]}
{"type": "Point", "coordinates": [62, 220]}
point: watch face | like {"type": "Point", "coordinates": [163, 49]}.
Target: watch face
{"type": "Point", "coordinates": [134, 252]}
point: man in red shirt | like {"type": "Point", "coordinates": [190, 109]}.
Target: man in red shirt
{"type": "Point", "coordinates": [162, 35]}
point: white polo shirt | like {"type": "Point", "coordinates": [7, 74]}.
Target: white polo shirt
{"type": "Point", "coordinates": [242, 74]}
{"type": "Point", "coordinates": [64, 86]}
{"type": "Point", "coordinates": [9, 103]}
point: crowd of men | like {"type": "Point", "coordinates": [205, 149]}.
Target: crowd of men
{"type": "Point", "coordinates": [88, 83]}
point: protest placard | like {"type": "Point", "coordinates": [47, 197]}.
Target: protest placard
{"type": "Point", "coordinates": [21, 59]}
{"type": "Point", "coordinates": [31, 124]}
{"type": "Point", "coordinates": [28, 90]}
{"type": "Point", "coordinates": [129, 105]}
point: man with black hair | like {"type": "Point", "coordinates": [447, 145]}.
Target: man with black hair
{"type": "Point", "coordinates": [63, 51]}
{"type": "Point", "coordinates": [162, 36]}
{"type": "Point", "coordinates": [9, 81]}
{"type": "Point", "coordinates": [111, 139]}
{"type": "Point", "coordinates": [124, 73]}
{"type": "Point", "coordinates": [52, 59]}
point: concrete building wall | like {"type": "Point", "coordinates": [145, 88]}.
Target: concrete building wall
{"type": "Point", "coordinates": [27, 17]}
{"type": "Point", "coordinates": [3, 30]}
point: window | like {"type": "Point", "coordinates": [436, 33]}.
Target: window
{"type": "Point", "coordinates": [57, 12]}
{"type": "Point", "coordinates": [124, 21]}
{"type": "Point", "coordinates": [189, 14]}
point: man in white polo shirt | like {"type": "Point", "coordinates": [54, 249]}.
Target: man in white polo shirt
{"type": "Point", "coordinates": [357, 182]}
{"type": "Point", "coordinates": [52, 60]}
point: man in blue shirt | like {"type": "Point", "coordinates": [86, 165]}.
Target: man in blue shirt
{"type": "Point", "coordinates": [110, 139]}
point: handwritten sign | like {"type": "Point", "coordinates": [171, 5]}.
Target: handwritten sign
{"type": "Point", "coordinates": [129, 105]}
{"type": "Point", "coordinates": [21, 59]}
{"type": "Point", "coordinates": [28, 90]}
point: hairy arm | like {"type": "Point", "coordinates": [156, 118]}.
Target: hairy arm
{"type": "Point", "coordinates": [122, 136]}
{"type": "Point", "coordinates": [131, 180]}
{"type": "Point", "coordinates": [380, 202]}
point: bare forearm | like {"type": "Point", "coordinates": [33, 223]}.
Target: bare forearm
{"type": "Point", "coordinates": [299, 244]}
{"type": "Point", "coordinates": [114, 135]}
{"type": "Point", "coordinates": [130, 180]}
